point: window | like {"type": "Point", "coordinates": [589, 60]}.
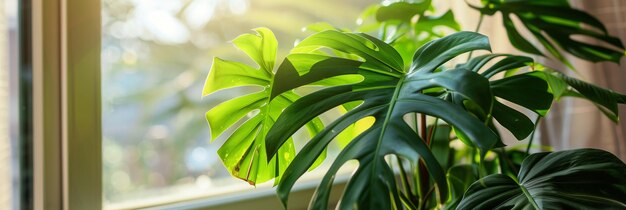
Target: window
{"type": "Point", "coordinates": [117, 107]}
{"type": "Point", "coordinates": [80, 132]}
{"type": "Point", "coordinates": [155, 57]}
{"type": "Point", "coordinates": [108, 113]}
{"type": "Point", "coordinates": [15, 96]}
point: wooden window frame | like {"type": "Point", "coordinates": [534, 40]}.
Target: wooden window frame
{"type": "Point", "coordinates": [66, 104]}
{"type": "Point", "coordinates": [67, 142]}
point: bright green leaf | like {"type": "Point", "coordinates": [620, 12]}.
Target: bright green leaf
{"type": "Point", "coordinates": [402, 11]}
{"type": "Point", "coordinates": [244, 153]}
{"type": "Point", "coordinates": [430, 23]}
{"type": "Point", "coordinates": [527, 90]}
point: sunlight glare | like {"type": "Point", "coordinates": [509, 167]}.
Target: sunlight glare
{"type": "Point", "coordinates": [238, 7]}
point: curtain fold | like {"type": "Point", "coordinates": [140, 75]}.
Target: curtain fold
{"type": "Point", "coordinates": [575, 123]}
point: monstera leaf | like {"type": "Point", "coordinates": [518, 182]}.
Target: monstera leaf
{"type": "Point", "coordinates": [244, 153]}
{"type": "Point", "coordinates": [430, 23]}
{"type": "Point", "coordinates": [387, 92]}
{"type": "Point", "coordinates": [406, 26]}
{"type": "Point", "coordinates": [574, 179]}
{"type": "Point", "coordinates": [378, 17]}
{"type": "Point", "coordinates": [527, 90]}
{"type": "Point", "coordinates": [565, 86]}
{"type": "Point", "coordinates": [554, 23]}
{"type": "Point", "coordinates": [536, 90]}
{"type": "Point", "coordinates": [530, 90]}
{"type": "Point", "coordinates": [402, 11]}
{"type": "Point", "coordinates": [424, 30]}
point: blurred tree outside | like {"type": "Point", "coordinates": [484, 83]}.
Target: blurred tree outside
{"type": "Point", "coordinates": [155, 56]}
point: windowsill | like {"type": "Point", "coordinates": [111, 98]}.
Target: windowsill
{"type": "Point", "coordinates": [238, 197]}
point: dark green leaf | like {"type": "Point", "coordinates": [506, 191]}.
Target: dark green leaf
{"type": "Point", "coordinates": [558, 87]}
{"type": "Point", "coordinates": [440, 144]}
{"type": "Point", "coordinates": [510, 62]}
{"type": "Point", "coordinates": [435, 53]}
{"type": "Point", "coordinates": [555, 23]}
{"type": "Point", "coordinates": [387, 93]}
{"type": "Point", "coordinates": [320, 67]}
{"type": "Point", "coordinates": [574, 179]}
{"type": "Point", "coordinates": [515, 122]}
{"type": "Point", "coordinates": [527, 90]}
{"type": "Point", "coordinates": [467, 84]}
{"type": "Point", "coordinates": [378, 56]}
{"type": "Point", "coordinates": [605, 99]}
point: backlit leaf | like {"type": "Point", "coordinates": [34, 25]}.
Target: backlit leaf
{"type": "Point", "coordinates": [244, 153]}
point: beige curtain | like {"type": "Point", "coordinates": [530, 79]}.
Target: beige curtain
{"type": "Point", "coordinates": [577, 123]}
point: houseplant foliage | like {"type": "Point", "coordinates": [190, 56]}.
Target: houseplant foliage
{"type": "Point", "coordinates": [425, 98]}
{"type": "Point", "coordinates": [244, 152]}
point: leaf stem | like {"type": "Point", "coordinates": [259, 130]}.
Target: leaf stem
{"type": "Point", "coordinates": [481, 171]}
{"type": "Point", "coordinates": [384, 32]}
{"type": "Point", "coordinates": [407, 202]}
{"type": "Point", "coordinates": [504, 158]}
{"type": "Point", "coordinates": [430, 192]}
{"type": "Point", "coordinates": [529, 196]}
{"type": "Point", "coordinates": [405, 179]}
{"type": "Point", "coordinates": [423, 172]}
{"type": "Point", "coordinates": [423, 129]}
{"type": "Point", "coordinates": [480, 23]}
{"type": "Point", "coordinates": [532, 135]}
{"type": "Point", "coordinates": [416, 169]}
{"type": "Point", "coordinates": [432, 130]}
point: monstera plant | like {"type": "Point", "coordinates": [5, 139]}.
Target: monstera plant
{"type": "Point", "coordinates": [432, 141]}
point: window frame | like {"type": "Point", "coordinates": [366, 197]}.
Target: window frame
{"type": "Point", "coordinates": [264, 196]}
{"type": "Point", "coordinates": [66, 104]}
{"type": "Point", "coordinates": [67, 142]}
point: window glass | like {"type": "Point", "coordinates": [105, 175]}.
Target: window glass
{"type": "Point", "coordinates": [156, 55]}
